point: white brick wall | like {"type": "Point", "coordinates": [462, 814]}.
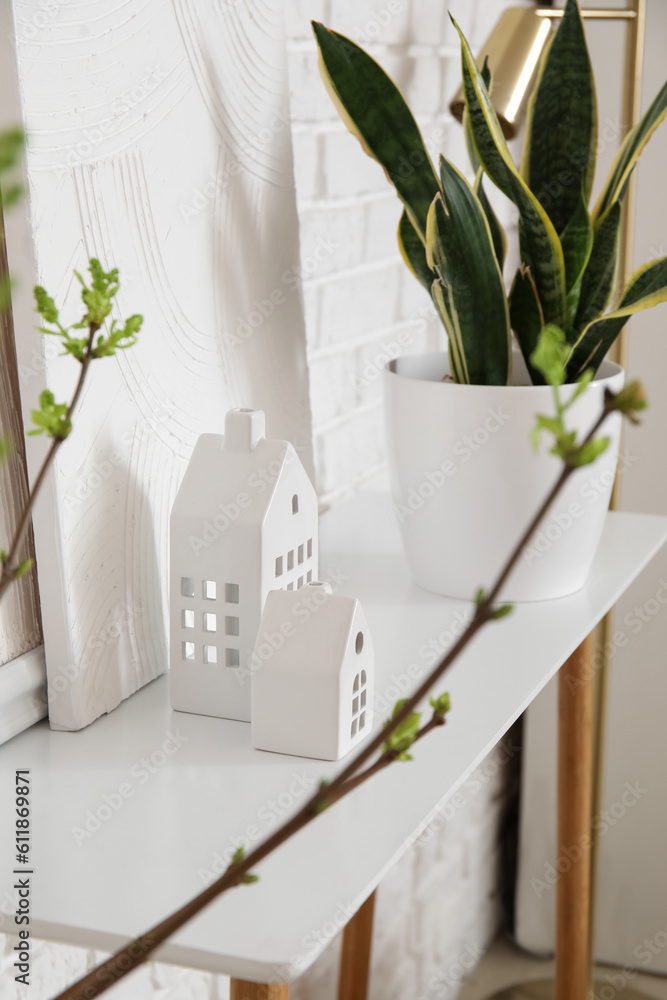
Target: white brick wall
{"type": "Point", "coordinates": [361, 297]}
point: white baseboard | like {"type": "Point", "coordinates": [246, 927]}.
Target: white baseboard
{"type": "Point", "coordinates": [22, 693]}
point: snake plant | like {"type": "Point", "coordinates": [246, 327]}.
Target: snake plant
{"type": "Point", "coordinates": [449, 236]}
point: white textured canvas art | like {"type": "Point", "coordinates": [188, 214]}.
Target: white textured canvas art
{"type": "Point", "coordinates": [158, 140]}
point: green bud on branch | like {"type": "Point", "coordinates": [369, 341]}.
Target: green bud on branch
{"type": "Point", "coordinates": [402, 738]}
{"type": "Point", "coordinates": [51, 418]}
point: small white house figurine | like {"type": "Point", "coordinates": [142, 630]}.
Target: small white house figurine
{"type": "Point", "coordinates": [244, 522]}
{"type": "Point", "coordinates": [312, 680]}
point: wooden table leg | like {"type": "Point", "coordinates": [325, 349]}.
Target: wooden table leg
{"type": "Point", "coordinates": [573, 858]}
{"type": "Point", "coordinates": [240, 990]}
{"type": "Point", "coordinates": [355, 959]}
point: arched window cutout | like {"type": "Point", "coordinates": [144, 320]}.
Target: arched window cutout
{"type": "Point", "coordinates": [295, 503]}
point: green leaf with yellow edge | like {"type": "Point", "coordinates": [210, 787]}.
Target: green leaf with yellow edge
{"type": "Point", "coordinates": [446, 309]}
{"type": "Point", "coordinates": [577, 243]}
{"type": "Point", "coordinates": [627, 156]}
{"type": "Point", "coordinates": [498, 236]}
{"type": "Point", "coordinates": [646, 288]}
{"type": "Point", "coordinates": [413, 251]}
{"type": "Point", "coordinates": [460, 248]}
{"type": "Point", "coordinates": [497, 231]}
{"type": "Point", "coordinates": [539, 236]}
{"type": "Point", "coordinates": [526, 319]}
{"type": "Point", "coordinates": [599, 278]}
{"type": "Point", "coordinates": [374, 110]}
{"type": "Point", "coordinates": [561, 133]}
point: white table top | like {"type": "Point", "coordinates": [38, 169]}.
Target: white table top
{"type": "Point", "coordinates": [145, 859]}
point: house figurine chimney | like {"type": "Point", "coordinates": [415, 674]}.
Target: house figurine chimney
{"type": "Point", "coordinates": [244, 429]}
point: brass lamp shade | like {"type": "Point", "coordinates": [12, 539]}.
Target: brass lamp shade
{"type": "Point", "coordinates": [513, 49]}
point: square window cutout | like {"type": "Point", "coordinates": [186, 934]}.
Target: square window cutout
{"type": "Point", "coordinates": [353, 728]}
{"type": "Point", "coordinates": [232, 593]}
{"type": "Point", "coordinates": [210, 623]}
{"type": "Point", "coordinates": [210, 654]}
{"type": "Point", "coordinates": [363, 698]}
{"type": "Point", "coordinates": [290, 559]}
{"type": "Point", "coordinates": [187, 586]}
{"type": "Point", "coordinates": [210, 590]}
{"type": "Point", "coordinates": [279, 566]}
{"type": "Point", "coordinates": [299, 554]}
{"type": "Point", "coordinates": [231, 625]}
{"type": "Point", "coordinates": [299, 583]}
{"type": "Point", "coordinates": [309, 548]}
{"type": "Point", "coordinates": [290, 586]}
{"type": "Point", "coordinates": [188, 650]}
{"type": "Point", "coordinates": [309, 576]}
{"type": "Point", "coordinates": [362, 720]}
{"type": "Point", "coordinates": [187, 619]}
{"type": "Point", "coordinates": [232, 658]}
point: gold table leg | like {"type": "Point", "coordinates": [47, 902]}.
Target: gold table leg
{"type": "Point", "coordinates": [573, 861]}
{"type": "Point", "coordinates": [355, 957]}
{"type": "Point", "coordinates": [241, 990]}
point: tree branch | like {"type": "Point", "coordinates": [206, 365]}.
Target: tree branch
{"type": "Point", "coordinates": [136, 952]}
{"type": "Point", "coordinates": [10, 565]}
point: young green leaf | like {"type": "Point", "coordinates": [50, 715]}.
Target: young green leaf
{"type": "Point", "coordinates": [51, 417]}
{"type": "Point", "coordinates": [23, 568]}
{"type": "Point", "coordinates": [551, 355]}
{"type": "Point", "coordinates": [98, 297]}
{"type": "Point", "coordinates": [502, 612]}
{"type": "Point", "coordinates": [441, 705]}
{"type": "Point", "coordinates": [631, 400]}
{"type": "Point", "coordinates": [11, 147]}
{"type": "Point", "coordinates": [321, 806]}
{"type": "Point", "coordinates": [237, 858]}
{"type": "Point", "coordinates": [7, 448]}
{"type": "Point", "coordinates": [119, 338]}
{"type": "Point", "coordinates": [46, 307]}
{"type": "Point", "coordinates": [402, 738]}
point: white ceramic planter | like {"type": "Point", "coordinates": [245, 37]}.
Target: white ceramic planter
{"type": "Point", "coordinates": [466, 481]}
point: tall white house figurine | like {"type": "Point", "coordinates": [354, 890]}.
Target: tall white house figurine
{"type": "Point", "coordinates": [312, 674]}
{"type": "Point", "coordinates": [244, 522]}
